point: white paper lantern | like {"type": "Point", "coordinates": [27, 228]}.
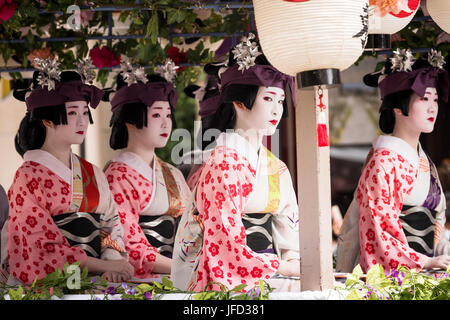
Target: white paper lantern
{"type": "Point", "coordinates": [440, 13]}
{"type": "Point", "coordinates": [392, 23]}
{"type": "Point", "coordinates": [311, 35]}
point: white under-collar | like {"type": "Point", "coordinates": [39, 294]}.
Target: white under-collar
{"type": "Point", "coordinates": [51, 162]}
{"type": "Point", "coordinates": [235, 141]}
{"type": "Point", "coordinates": [137, 163]}
{"type": "Point", "coordinates": [401, 147]}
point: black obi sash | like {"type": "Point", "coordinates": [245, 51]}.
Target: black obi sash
{"type": "Point", "coordinates": [418, 224]}
{"type": "Point", "coordinates": [160, 232]}
{"type": "Point", "coordinates": [258, 228]}
{"type": "Point", "coordinates": [81, 229]}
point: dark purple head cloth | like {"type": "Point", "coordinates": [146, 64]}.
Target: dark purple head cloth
{"type": "Point", "coordinates": [262, 76]}
{"type": "Point", "coordinates": [64, 92]}
{"type": "Point", "coordinates": [418, 81]}
{"type": "Point", "coordinates": [209, 106]}
{"type": "Point", "coordinates": [146, 93]}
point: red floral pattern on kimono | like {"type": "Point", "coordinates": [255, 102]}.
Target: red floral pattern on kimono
{"type": "Point", "coordinates": [132, 193]}
{"type": "Point", "coordinates": [224, 186]}
{"type": "Point", "coordinates": [386, 181]}
{"type": "Point", "coordinates": [36, 247]}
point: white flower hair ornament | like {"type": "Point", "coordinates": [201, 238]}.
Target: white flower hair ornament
{"type": "Point", "coordinates": [436, 59]}
{"type": "Point", "coordinates": [246, 52]}
{"type": "Point", "coordinates": [130, 74]}
{"type": "Point", "coordinates": [402, 60]}
{"type": "Point", "coordinates": [49, 72]}
{"type": "Point", "coordinates": [86, 69]}
{"type": "Point", "coordinates": [168, 70]}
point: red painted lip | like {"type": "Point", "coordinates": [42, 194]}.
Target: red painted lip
{"type": "Point", "coordinates": [274, 122]}
{"type": "Point", "coordinates": [431, 119]}
{"type": "Point", "coordinates": [80, 132]}
{"type": "Point", "coordinates": [165, 135]}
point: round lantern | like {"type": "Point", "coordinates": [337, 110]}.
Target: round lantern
{"type": "Point", "coordinates": [383, 23]}
{"type": "Point", "coordinates": [312, 39]}
{"type": "Point", "coordinates": [440, 13]}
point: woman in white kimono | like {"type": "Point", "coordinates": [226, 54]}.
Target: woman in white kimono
{"type": "Point", "coordinates": [150, 194]}
{"type": "Point", "coordinates": [398, 214]}
{"type": "Point", "coordinates": [61, 209]}
{"type": "Point", "coordinates": [244, 226]}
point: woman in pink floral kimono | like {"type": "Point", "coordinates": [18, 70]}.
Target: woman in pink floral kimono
{"type": "Point", "coordinates": [150, 194]}
{"type": "Point", "coordinates": [61, 209]}
{"type": "Point", "coordinates": [398, 213]}
{"type": "Point", "coordinates": [244, 226]}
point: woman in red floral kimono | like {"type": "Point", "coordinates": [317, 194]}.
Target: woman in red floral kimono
{"type": "Point", "coordinates": [61, 209]}
{"type": "Point", "coordinates": [245, 224]}
{"type": "Point", "coordinates": [398, 214]}
{"type": "Point", "coordinates": [150, 194]}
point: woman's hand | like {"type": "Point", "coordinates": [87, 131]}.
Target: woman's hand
{"type": "Point", "coordinates": [121, 266]}
{"type": "Point", "coordinates": [289, 268]}
{"type": "Point", "coordinates": [439, 262]}
{"type": "Point", "coordinates": [112, 276]}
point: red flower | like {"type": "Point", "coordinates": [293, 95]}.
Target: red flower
{"type": "Point", "coordinates": [31, 221]}
{"type": "Point", "coordinates": [218, 273]}
{"type": "Point", "coordinates": [242, 271]}
{"type": "Point", "coordinates": [369, 248]}
{"type": "Point", "coordinates": [246, 254]}
{"type": "Point", "coordinates": [104, 57]}
{"type": "Point", "coordinates": [110, 178]}
{"type": "Point", "coordinates": [33, 184]}
{"type": "Point", "coordinates": [19, 199]}
{"type": "Point", "coordinates": [48, 183]}
{"type": "Point", "coordinates": [118, 198]}
{"type": "Point", "coordinates": [122, 169]}
{"type": "Point", "coordinates": [7, 9]}
{"type": "Point", "coordinates": [177, 56]}
{"type": "Point", "coordinates": [23, 276]}
{"type": "Point", "coordinates": [151, 257]}
{"type": "Point", "coordinates": [370, 234]}
{"type": "Point", "coordinates": [224, 166]}
{"type": "Point", "coordinates": [49, 247]}
{"type": "Point", "coordinates": [135, 254]}
{"type": "Point", "coordinates": [220, 198]}
{"type": "Point", "coordinates": [49, 269]}
{"type": "Point", "coordinates": [256, 272]}
{"type": "Point", "coordinates": [50, 235]}
{"type": "Point", "coordinates": [414, 257]}
{"type": "Point", "coordinates": [246, 189]}
{"type": "Point", "coordinates": [232, 188]}
{"type": "Point", "coordinates": [71, 259]}
{"type": "Point", "coordinates": [393, 264]}
{"type": "Point", "coordinates": [214, 249]}
{"type": "Point", "coordinates": [64, 191]}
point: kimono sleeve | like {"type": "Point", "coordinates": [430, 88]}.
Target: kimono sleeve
{"type": "Point", "coordinates": [131, 198]}
{"type": "Point", "coordinates": [112, 246]}
{"type": "Point", "coordinates": [223, 190]}
{"type": "Point", "coordinates": [442, 244]}
{"type": "Point", "coordinates": [285, 221]}
{"type": "Point", "coordinates": [381, 190]}
{"type": "Point", "coordinates": [36, 247]}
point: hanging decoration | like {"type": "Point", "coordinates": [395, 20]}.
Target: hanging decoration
{"type": "Point", "coordinates": [323, 140]}
{"type": "Point", "coordinates": [312, 40]}
{"type": "Point", "coordinates": [439, 11]}
{"type": "Point", "coordinates": [387, 17]}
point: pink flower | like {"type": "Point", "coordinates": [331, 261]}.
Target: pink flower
{"type": "Point", "coordinates": [7, 9]}
{"type": "Point", "coordinates": [103, 57]}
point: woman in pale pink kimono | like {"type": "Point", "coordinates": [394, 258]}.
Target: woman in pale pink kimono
{"type": "Point", "coordinates": [150, 194]}
{"type": "Point", "coordinates": [61, 209]}
{"type": "Point", "coordinates": [244, 226]}
{"type": "Point", "coordinates": [398, 214]}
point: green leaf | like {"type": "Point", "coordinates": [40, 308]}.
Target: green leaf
{"type": "Point", "coordinates": [16, 294]}
{"type": "Point", "coordinates": [152, 27]}
{"type": "Point", "coordinates": [167, 283]}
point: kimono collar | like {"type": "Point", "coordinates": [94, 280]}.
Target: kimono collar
{"type": "Point", "coordinates": [137, 163]}
{"type": "Point", "coordinates": [401, 147]}
{"type": "Point", "coordinates": [51, 162]}
{"type": "Point", "coordinates": [235, 141]}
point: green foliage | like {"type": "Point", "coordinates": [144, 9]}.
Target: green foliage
{"type": "Point", "coordinates": [260, 292]}
{"type": "Point", "coordinates": [56, 284]}
{"type": "Point", "coordinates": [399, 284]}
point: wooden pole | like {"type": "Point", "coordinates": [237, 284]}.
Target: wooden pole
{"type": "Point", "coordinates": [314, 193]}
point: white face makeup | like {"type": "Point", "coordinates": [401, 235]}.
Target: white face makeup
{"type": "Point", "coordinates": [422, 111]}
{"type": "Point", "coordinates": [266, 112]}
{"type": "Point", "coordinates": [159, 125]}
{"type": "Point", "coordinates": [75, 130]}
